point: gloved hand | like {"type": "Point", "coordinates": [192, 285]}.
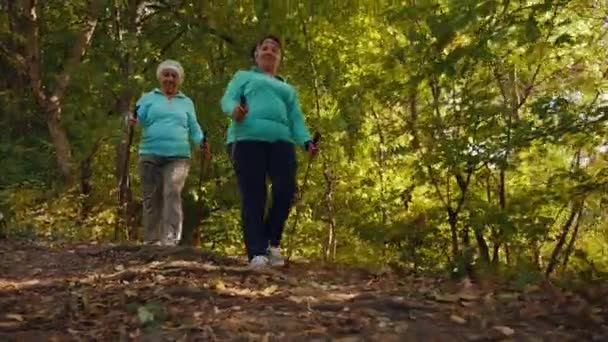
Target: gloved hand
{"type": "Point", "coordinates": [311, 148]}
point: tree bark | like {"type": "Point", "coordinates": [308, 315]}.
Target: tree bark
{"type": "Point", "coordinates": [453, 221]}
{"type": "Point", "coordinates": [61, 143]}
{"type": "Point", "coordinates": [553, 261]}
{"type": "Point", "coordinates": [573, 237]}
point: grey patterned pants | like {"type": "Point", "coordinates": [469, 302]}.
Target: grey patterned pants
{"type": "Point", "coordinates": [162, 181]}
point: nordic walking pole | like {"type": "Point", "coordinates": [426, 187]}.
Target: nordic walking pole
{"type": "Point", "coordinates": [124, 184]}
{"type": "Point", "coordinates": [243, 103]}
{"type": "Point", "coordinates": [205, 161]}
{"type": "Point", "coordinates": [315, 140]}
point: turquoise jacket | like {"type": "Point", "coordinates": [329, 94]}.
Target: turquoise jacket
{"type": "Point", "coordinates": [274, 109]}
{"type": "Point", "coordinates": [167, 124]}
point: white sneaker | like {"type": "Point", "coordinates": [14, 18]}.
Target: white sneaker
{"type": "Point", "coordinates": [274, 254]}
{"type": "Point", "coordinates": [258, 262]}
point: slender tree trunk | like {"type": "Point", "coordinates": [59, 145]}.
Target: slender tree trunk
{"type": "Point", "coordinates": [553, 261]}
{"type": "Point", "coordinates": [453, 221]}
{"type": "Point", "coordinates": [482, 245]}
{"type": "Point", "coordinates": [484, 250]}
{"type": "Point", "coordinates": [573, 237]}
{"type": "Point", "coordinates": [86, 172]}
{"type": "Point", "coordinates": [535, 246]}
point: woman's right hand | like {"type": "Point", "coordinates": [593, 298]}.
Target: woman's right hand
{"type": "Point", "coordinates": [130, 119]}
{"type": "Point", "coordinates": [239, 112]}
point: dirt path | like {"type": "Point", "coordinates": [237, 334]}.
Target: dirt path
{"type": "Point", "coordinates": [133, 293]}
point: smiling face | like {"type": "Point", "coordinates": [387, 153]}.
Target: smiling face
{"type": "Point", "coordinates": [268, 55]}
{"type": "Point", "coordinates": [169, 81]}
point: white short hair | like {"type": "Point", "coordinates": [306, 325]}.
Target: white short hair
{"type": "Point", "coordinates": [172, 65]}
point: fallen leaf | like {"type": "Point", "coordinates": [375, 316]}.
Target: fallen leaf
{"type": "Point", "coordinates": [130, 293]}
{"type": "Point", "coordinates": [458, 319]}
{"type": "Point", "coordinates": [468, 304]}
{"type": "Point", "coordinates": [507, 296]}
{"type": "Point", "coordinates": [504, 330]}
{"type": "Point", "coordinates": [269, 290]}
{"type": "Point", "coordinates": [446, 298]}
{"type": "Point", "coordinates": [144, 315]}
{"type": "Point", "coordinates": [401, 328]}
{"type": "Point", "coordinates": [596, 318]}
{"type": "Point", "coordinates": [468, 296]}
{"type": "Point", "coordinates": [7, 325]}
{"type": "Point", "coordinates": [218, 284]}
{"type": "Point", "coordinates": [532, 311]}
{"type": "Point", "coordinates": [16, 317]}
{"type": "Point", "coordinates": [385, 337]}
{"type": "Point", "coordinates": [529, 288]}
{"type": "Point", "coordinates": [348, 339]}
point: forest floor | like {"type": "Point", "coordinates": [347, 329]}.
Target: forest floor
{"type": "Point", "coordinates": [134, 293]}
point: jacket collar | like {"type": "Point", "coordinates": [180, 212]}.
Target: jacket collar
{"type": "Point", "coordinates": [257, 69]}
{"type": "Point", "coordinates": [179, 93]}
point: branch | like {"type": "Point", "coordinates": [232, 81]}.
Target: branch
{"type": "Point", "coordinates": [14, 58]}
{"type": "Point", "coordinates": [436, 185]}
{"type": "Point", "coordinates": [464, 187]}
{"type": "Point", "coordinates": [531, 85]}
{"type": "Point", "coordinates": [79, 49]}
{"type": "Point", "coordinates": [164, 49]}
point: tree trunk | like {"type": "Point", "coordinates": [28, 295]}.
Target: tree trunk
{"type": "Point", "coordinates": [484, 250]}
{"type": "Point", "coordinates": [536, 256]}
{"type": "Point", "coordinates": [553, 261]}
{"type": "Point", "coordinates": [453, 220]}
{"type": "Point", "coordinates": [573, 237]}
{"type": "Point", "coordinates": [61, 142]}
{"type": "Point", "coordinates": [24, 21]}
{"type": "Point", "coordinates": [86, 172]}
{"type": "Point", "coordinates": [496, 251]}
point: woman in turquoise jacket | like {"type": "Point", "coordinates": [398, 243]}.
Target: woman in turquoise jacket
{"type": "Point", "coordinates": [266, 125]}
{"type": "Point", "coordinates": [169, 123]}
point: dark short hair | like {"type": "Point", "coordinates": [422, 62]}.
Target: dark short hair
{"type": "Point", "coordinates": [272, 37]}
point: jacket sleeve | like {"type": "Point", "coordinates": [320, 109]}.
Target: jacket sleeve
{"type": "Point", "coordinates": [196, 133]}
{"type": "Point", "coordinates": [299, 130]}
{"type": "Point", "coordinates": [233, 92]}
{"type": "Point", "coordinates": [142, 106]}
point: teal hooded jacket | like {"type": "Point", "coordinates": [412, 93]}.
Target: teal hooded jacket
{"type": "Point", "coordinates": [274, 109]}
{"type": "Point", "coordinates": [168, 125]}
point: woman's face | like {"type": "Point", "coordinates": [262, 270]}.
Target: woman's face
{"type": "Point", "coordinates": [268, 55]}
{"type": "Point", "coordinates": [168, 81]}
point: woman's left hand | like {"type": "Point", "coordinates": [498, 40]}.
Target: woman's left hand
{"type": "Point", "coordinates": [312, 149]}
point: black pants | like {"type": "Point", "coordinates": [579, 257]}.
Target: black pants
{"type": "Point", "coordinates": [253, 161]}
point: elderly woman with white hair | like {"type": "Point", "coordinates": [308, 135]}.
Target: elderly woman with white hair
{"type": "Point", "coordinates": [169, 122]}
